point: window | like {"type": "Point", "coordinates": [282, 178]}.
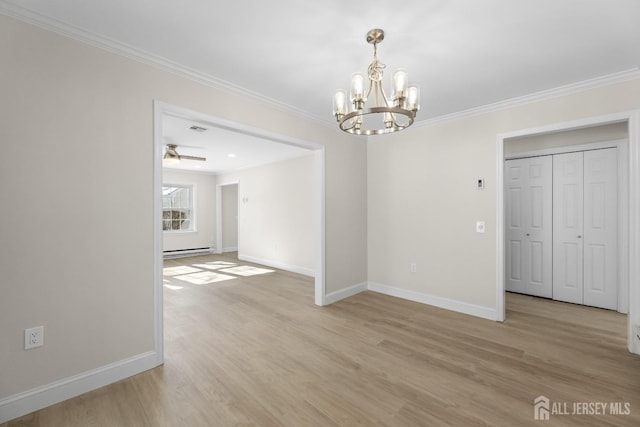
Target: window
{"type": "Point", "coordinates": [177, 208]}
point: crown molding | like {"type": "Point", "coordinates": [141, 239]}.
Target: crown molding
{"type": "Point", "coordinates": [175, 68]}
{"type": "Point", "coordinates": [572, 88]}
{"type": "Point", "coordinates": [147, 58]}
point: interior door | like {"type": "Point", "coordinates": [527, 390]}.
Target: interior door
{"type": "Point", "coordinates": [568, 227]}
{"type": "Point", "coordinates": [600, 228]}
{"type": "Point", "coordinates": [528, 202]}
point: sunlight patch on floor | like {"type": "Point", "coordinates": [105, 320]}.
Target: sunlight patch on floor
{"type": "Point", "coordinates": [205, 273]}
{"type": "Point", "coordinates": [175, 271]}
{"type": "Point", "coordinates": [204, 277]}
{"type": "Point", "coordinates": [215, 265]}
{"type": "Point", "coordinates": [246, 270]}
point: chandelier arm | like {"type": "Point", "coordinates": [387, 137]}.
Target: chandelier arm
{"type": "Point", "coordinates": [370, 87]}
{"type": "Point", "coordinates": [386, 100]}
{"type": "Point", "coordinates": [396, 123]}
{"type": "Point", "coordinates": [347, 129]}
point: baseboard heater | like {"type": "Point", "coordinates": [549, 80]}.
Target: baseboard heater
{"type": "Point", "coordinates": [179, 253]}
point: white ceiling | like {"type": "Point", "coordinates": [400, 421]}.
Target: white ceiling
{"type": "Point", "coordinates": [463, 53]}
{"type": "Point", "coordinates": [224, 150]}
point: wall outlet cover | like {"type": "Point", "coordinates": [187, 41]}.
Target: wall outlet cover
{"type": "Point", "coordinates": [33, 337]}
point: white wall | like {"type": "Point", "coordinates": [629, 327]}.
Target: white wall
{"type": "Point", "coordinates": [276, 214]}
{"type": "Point", "coordinates": [205, 211]}
{"type": "Point", "coordinates": [603, 133]}
{"type": "Point", "coordinates": [423, 203]}
{"type": "Point", "coordinates": [69, 261]}
{"type": "Point", "coordinates": [229, 217]}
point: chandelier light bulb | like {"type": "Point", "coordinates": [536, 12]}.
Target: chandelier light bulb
{"type": "Point", "coordinates": [413, 98]}
{"type": "Point", "coordinates": [400, 83]}
{"type": "Point", "coordinates": [357, 87]}
{"type": "Point", "coordinates": [340, 103]}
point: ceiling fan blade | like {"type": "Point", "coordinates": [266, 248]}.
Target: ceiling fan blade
{"type": "Point", "coordinates": [202, 159]}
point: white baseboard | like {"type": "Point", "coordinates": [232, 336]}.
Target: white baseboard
{"type": "Point", "coordinates": [180, 253]}
{"type": "Point", "coordinates": [24, 403]}
{"type": "Point", "coordinates": [332, 297]}
{"type": "Point", "coordinates": [277, 264]}
{"type": "Point", "coordinates": [449, 304]}
{"type": "Point", "coordinates": [230, 249]}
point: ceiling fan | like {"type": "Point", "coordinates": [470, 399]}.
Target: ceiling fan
{"type": "Point", "coordinates": [171, 156]}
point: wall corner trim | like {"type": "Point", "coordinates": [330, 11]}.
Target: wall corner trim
{"type": "Point", "coordinates": [32, 400]}
{"type": "Point", "coordinates": [347, 292]}
{"type": "Point", "coordinates": [436, 301]}
{"type": "Point", "coordinates": [440, 302]}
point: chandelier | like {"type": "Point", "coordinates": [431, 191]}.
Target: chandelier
{"type": "Point", "coordinates": [371, 111]}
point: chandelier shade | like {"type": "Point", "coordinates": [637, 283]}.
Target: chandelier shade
{"type": "Point", "coordinates": [369, 111]}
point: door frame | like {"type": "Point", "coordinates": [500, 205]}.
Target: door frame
{"type": "Point", "coordinates": [219, 213]}
{"type": "Point", "coordinates": [622, 208]}
{"type": "Point", "coordinates": [631, 271]}
{"type": "Point", "coordinates": [160, 109]}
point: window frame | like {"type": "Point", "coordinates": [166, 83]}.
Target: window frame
{"type": "Point", "coordinates": [192, 208]}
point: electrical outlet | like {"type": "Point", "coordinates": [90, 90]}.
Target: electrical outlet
{"type": "Point", "coordinates": [413, 267]}
{"type": "Point", "coordinates": [33, 337]}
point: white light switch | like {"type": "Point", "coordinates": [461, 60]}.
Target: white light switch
{"type": "Point", "coordinates": [480, 226]}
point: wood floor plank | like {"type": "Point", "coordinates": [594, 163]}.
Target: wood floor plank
{"type": "Point", "coordinates": [254, 350]}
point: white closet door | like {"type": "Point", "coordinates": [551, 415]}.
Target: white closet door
{"type": "Point", "coordinates": [568, 227]}
{"type": "Point", "coordinates": [515, 183]}
{"type": "Point", "coordinates": [600, 228]}
{"type": "Point", "coordinates": [528, 197]}
{"type": "Point", "coordinates": [585, 228]}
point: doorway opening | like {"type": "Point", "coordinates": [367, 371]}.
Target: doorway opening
{"type": "Point", "coordinates": [227, 217]}
{"type": "Point", "coordinates": [163, 111]}
{"type": "Point", "coordinates": [628, 215]}
{"type": "Point", "coordinates": [566, 216]}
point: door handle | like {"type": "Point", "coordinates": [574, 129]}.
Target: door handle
{"type": "Point", "coordinates": [579, 236]}
{"type": "Point", "coordinates": [527, 234]}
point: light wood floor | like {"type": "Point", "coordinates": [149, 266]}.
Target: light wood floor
{"type": "Point", "coordinates": [255, 350]}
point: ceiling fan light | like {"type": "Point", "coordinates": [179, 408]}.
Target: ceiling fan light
{"type": "Point", "coordinates": [170, 159]}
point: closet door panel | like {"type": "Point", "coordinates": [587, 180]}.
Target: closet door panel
{"type": "Point", "coordinates": [600, 228]}
{"type": "Point", "coordinates": [515, 182]}
{"type": "Point", "coordinates": [528, 194]}
{"type": "Point", "coordinates": [568, 227]}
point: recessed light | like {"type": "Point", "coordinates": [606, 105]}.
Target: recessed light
{"type": "Point", "coordinates": [197, 166]}
{"type": "Point", "coordinates": [231, 156]}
